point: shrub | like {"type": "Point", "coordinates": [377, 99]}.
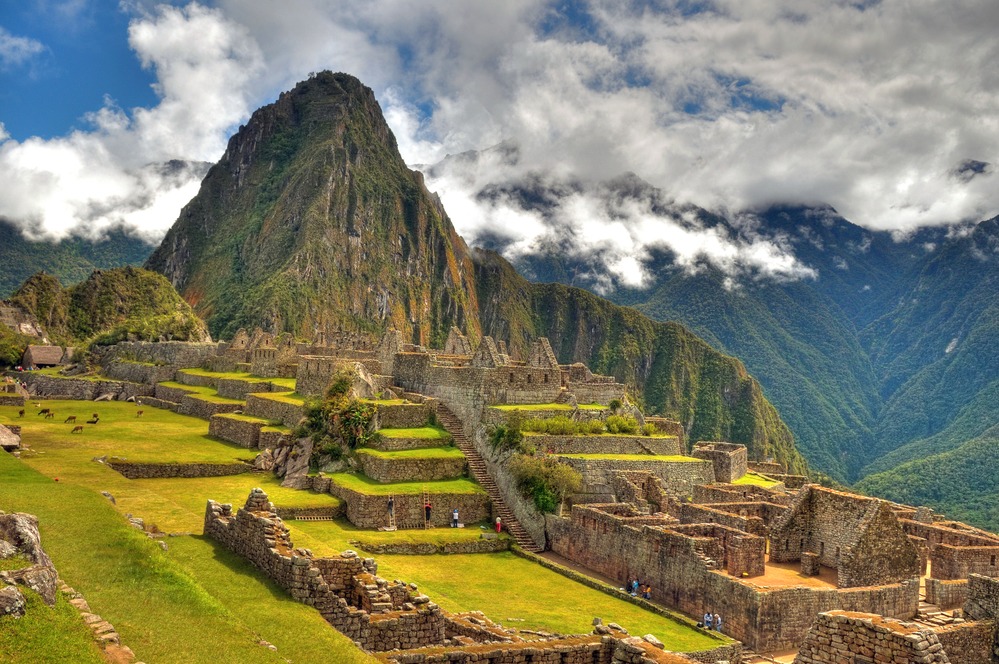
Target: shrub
{"type": "Point", "coordinates": [505, 437]}
{"type": "Point", "coordinates": [648, 429]}
{"type": "Point", "coordinates": [594, 426]}
{"type": "Point", "coordinates": [615, 405]}
{"type": "Point", "coordinates": [341, 383]}
{"type": "Point", "coordinates": [621, 424]}
{"type": "Point", "coordinates": [543, 479]}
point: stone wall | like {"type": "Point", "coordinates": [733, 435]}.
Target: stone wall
{"type": "Point", "coordinates": [195, 406]}
{"type": "Point", "coordinates": [81, 389]}
{"type": "Point", "coordinates": [368, 511]}
{"type": "Point", "coordinates": [138, 372]}
{"type": "Point", "coordinates": [235, 429]}
{"type": "Point", "coordinates": [494, 545]}
{"type": "Point", "coordinates": [182, 354]}
{"type": "Point", "coordinates": [680, 477]}
{"type": "Point", "coordinates": [968, 643]}
{"type": "Point", "coordinates": [946, 594]}
{"type": "Point", "coordinates": [983, 598]}
{"type": "Point", "coordinates": [153, 402]}
{"type": "Point", "coordinates": [394, 444]}
{"type": "Point", "coordinates": [377, 614]}
{"type": "Point", "coordinates": [729, 460]}
{"type": "Point", "coordinates": [288, 414]}
{"type": "Point", "coordinates": [238, 388]}
{"type": "Point", "coordinates": [385, 470]}
{"type": "Point", "coordinates": [145, 471]}
{"type": "Point", "coordinates": [684, 571]}
{"type": "Point", "coordinates": [853, 639]}
{"type": "Point", "coordinates": [196, 380]}
{"type": "Point", "coordinates": [958, 562]}
{"type": "Point", "coordinates": [314, 373]}
{"type": "Point", "coordinates": [11, 400]}
{"type": "Point", "coordinates": [172, 394]}
{"type": "Point", "coordinates": [403, 416]}
{"type": "Point", "coordinates": [605, 444]}
{"type": "Point", "coordinates": [859, 537]}
{"type": "Point", "coordinates": [728, 493]}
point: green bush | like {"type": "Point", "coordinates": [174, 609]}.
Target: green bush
{"type": "Point", "coordinates": [648, 429]}
{"type": "Point", "coordinates": [561, 425]}
{"type": "Point", "coordinates": [615, 405]}
{"type": "Point", "coordinates": [545, 480]}
{"type": "Point", "coordinates": [621, 424]}
{"type": "Point", "coordinates": [506, 437]}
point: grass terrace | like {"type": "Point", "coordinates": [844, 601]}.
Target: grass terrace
{"type": "Point", "coordinates": [390, 402]}
{"type": "Point", "coordinates": [756, 479]}
{"type": "Point", "coordinates": [335, 536]}
{"type": "Point", "coordinates": [548, 406]}
{"type": "Point", "coordinates": [426, 433]}
{"type": "Point", "coordinates": [293, 398]}
{"type": "Point", "coordinates": [47, 634]}
{"type": "Point", "coordinates": [366, 485]}
{"type": "Point", "coordinates": [204, 393]}
{"type": "Point", "coordinates": [505, 587]}
{"type": "Point", "coordinates": [675, 458]}
{"type": "Point", "coordinates": [237, 375]}
{"type": "Point", "coordinates": [53, 372]}
{"type": "Point", "coordinates": [195, 602]}
{"type": "Point", "coordinates": [421, 453]}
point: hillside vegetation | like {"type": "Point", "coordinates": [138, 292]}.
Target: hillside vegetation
{"type": "Point", "coordinates": [311, 221]}
{"type": "Point", "coordinates": [109, 306]}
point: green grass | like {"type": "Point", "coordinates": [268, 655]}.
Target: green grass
{"type": "Point", "coordinates": [53, 372]}
{"type": "Point", "coordinates": [501, 585]}
{"type": "Point", "coordinates": [293, 398]}
{"type": "Point", "coordinates": [635, 457]}
{"type": "Point", "coordinates": [17, 561]}
{"type": "Point", "coordinates": [178, 438]}
{"type": "Point", "coordinates": [157, 607]}
{"type": "Point", "coordinates": [427, 433]}
{"type": "Point", "coordinates": [422, 453]}
{"type": "Point", "coordinates": [248, 418]}
{"type": "Point", "coordinates": [192, 389]}
{"type": "Point", "coordinates": [366, 485]}
{"type": "Point", "coordinates": [756, 479]}
{"type": "Point", "coordinates": [215, 398]}
{"type": "Point", "coordinates": [548, 406]}
{"type": "Point", "coordinates": [47, 634]}
{"type": "Point", "coordinates": [341, 534]}
{"type": "Point", "coordinates": [390, 402]}
{"type": "Point", "coordinates": [239, 375]}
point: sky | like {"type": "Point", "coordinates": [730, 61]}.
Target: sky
{"type": "Point", "coordinates": [887, 111]}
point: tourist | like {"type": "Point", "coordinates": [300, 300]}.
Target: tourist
{"type": "Point", "coordinates": [391, 506]}
{"type": "Point", "coordinates": [426, 512]}
{"type": "Point", "coordinates": [707, 621]}
{"type": "Point", "coordinates": [454, 518]}
{"type": "Point", "coordinates": [647, 594]}
{"type": "Point", "coordinates": [499, 525]}
{"type": "Point", "coordinates": [634, 588]}
{"type": "Point", "coordinates": [717, 622]}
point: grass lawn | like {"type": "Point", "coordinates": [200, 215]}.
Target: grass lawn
{"type": "Point", "coordinates": [756, 479]}
{"type": "Point", "coordinates": [156, 603]}
{"type": "Point", "coordinates": [428, 433]}
{"type": "Point", "coordinates": [635, 457]}
{"type": "Point", "coordinates": [548, 406]}
{"type": "Point", "coordinates": [366, 485]}
{"type": "Point", "coordinates": [47, 634]}
{"type": "Point", "coordinates": [422, 453]}
{"type": "Point", "coordinates": [284, 397]}
{"type": "Point", "coordinates": [237, 375]}
{"type": "Point", "coordinates": [336, 536]}
{"type": "Point", "coordinates": [249, 418]}
{"type": "Point", "coordinates": [501, 585]}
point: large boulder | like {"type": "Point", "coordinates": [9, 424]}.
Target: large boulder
{"type": "Point", "coordinates": [11, 602]}
{"type": "Point", "coordinates": [9, 441]}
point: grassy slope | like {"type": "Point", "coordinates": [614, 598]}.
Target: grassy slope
{"type": "Point", "coordinates": [53, 634]}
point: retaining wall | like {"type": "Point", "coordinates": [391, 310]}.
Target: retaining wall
{"type": "Point", "coordinates": [387, 470]}
{"type": "Point", "coordinates": [268, 409]}
{"type": "Point", "coordinates": [367, 511]}
{"type": "Point", "coordinates": [195, 406]}
{"type": "Point", "coordinates": [81, 389]}
{"type": "Point", "coordinates": [605, 444]}
{"type": "Point", "coordinates": [236, 430]}
{"type": "Point", "coordinates": [145, 471]}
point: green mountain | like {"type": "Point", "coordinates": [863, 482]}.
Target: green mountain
{"type": "Point", "coordinates": [70, 261]}
{"type": "Point", "coordinates": [312, 221]}
{"type": "Point", "coordinates": [109, 306]}
{"type": "Point", "coordinates": [882, 355]}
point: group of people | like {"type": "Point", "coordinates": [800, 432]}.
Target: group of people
{"type": "Point", "coordinates": [639, 589]}
{"type": "Point", "coordinates": [711, 621]}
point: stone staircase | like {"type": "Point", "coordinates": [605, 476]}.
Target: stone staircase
{"type": "Point", "coordinates": [477, 468]}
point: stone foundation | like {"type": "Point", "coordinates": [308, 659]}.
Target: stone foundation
{"type": "Point", "coordinates": [377, 614]}
{"type": "Point", "coordinates": [388, 470]}
{"type": "Point", "coordinates": [367, 511]}
{"type": "Point", "coordinates": [195, 406]}
{"type": "Point", "coordinates": [233, 428]}
{"type": "Point", "coordinates": [144, 471]}
{"type": "Point", "coordinates": [839, 636]}
{"type": "Point", "coordinates": [288, 414]}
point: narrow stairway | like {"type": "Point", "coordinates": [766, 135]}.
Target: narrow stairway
{"type": "Point", "coordinates": [480, 474]}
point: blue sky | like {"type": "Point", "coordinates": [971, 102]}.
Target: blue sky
{"type": "Point", "coordinates": [85, 56]}
{"type": "Point", "coordinates": [727, 104]}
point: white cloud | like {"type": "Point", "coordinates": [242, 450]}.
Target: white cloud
{"type": "Point", "coordinates": [15, 50]}
{"type": "Point", "coordinates": [870, 107]}
{"type": "Point", "coordinates": [118, 172]}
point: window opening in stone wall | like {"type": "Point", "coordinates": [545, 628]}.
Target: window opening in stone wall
{"type": "Point", "coordinates": [596, 657]}
{"type": "Point", "coordinates": [511, 378]}
{"type": "Point", "coordinates": [993, 561]}
{"type": "Point", "coordinates": [546, 378]}
{"type": "Point", "coordinates": [837, 553]}
{"type": "Point", "coordinates": [529, 377]}
{"type": "Point", "coordinates": [822, 548]}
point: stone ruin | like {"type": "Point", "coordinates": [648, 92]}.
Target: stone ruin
{"type": "Point", "coordinates": [393, 617]}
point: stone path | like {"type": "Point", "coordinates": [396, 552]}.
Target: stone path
{"type": "Point", "coordinates": [480, 474]}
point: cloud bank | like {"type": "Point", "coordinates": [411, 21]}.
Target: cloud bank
{"type": "Point", "coordinates": [888, 111]}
